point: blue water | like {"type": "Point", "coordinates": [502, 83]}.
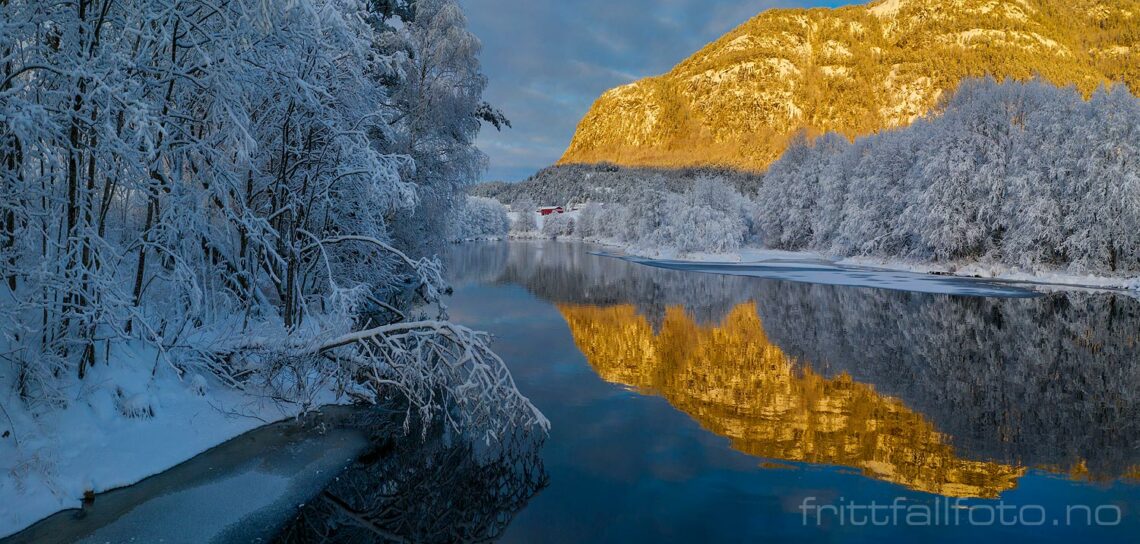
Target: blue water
{"type": "Point", "coordinates": [626, 465]}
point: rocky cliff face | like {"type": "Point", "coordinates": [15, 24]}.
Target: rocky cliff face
{"type": "Point", "coordinates": [853, 70]}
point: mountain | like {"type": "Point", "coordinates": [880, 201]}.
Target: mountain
{"type": "Point", "coordinates": [853, 70]}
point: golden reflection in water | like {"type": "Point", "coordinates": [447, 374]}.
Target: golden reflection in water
{"type": "Point", "coordinates": [737, 384]}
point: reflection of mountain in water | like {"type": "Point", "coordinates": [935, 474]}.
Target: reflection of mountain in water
{"type": "Point", "coordinates": [1052, 381]}
{"type": "Point", "coordinates": [737, 384]}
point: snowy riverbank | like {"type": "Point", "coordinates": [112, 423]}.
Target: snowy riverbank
{"type": "Point", "coordinates": [114, 436]}
{"type": "Point", "coordinates": [811, 267]}
{"type": "Point", "coordinates": [1003, 273]}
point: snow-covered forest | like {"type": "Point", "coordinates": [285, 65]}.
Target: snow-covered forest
{"type": "Point", "coordinates": [1011, 173]}
{"type": "Point", "coordinates": [1024, 174]}
{"type": "Point", "coordinates": [239, 195]}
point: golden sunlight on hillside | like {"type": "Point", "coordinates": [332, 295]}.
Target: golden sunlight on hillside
{"type": "Point", "coordinates": [736, 383]}
{"type": "Point", "coordinates": [853, 70]}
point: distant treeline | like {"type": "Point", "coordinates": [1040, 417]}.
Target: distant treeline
{"type": "Point", "coordinates": [574, 184]}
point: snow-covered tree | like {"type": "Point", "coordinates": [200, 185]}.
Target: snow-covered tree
{"type": "Point", "coordinates": [480, 219]}
{"type": "Point", "coordinates": [709, 217]}
{"type": "Point", "coordinates": [525, 210]}
{"type": "Point", "coordinates": [440, 109]}
{"type": "Point", "coordinates": [182, 173]}
{"type": "Point", "coordinates": [588, 225]}
{"type": "Point", "coordinates": [1022, 174]}
{"type": "Point", "coordinates": [558, 225]}
{"type": "Point", "coordinates": [790, 194]}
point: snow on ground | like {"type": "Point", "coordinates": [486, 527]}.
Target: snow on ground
{"type": "Point", "coordinates": [834, 274]}
{"type": "Point", "coordinates": [237, 493]}
{"type": "Point", "coordinates": [1004, 274]}
{"type": "Point", "coordinates": [48, 462]}
{"type": "Point", "coordinates": [746, 255]}
{"type": "Point", "coordinates": [810, 267]}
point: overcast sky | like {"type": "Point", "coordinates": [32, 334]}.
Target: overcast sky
{"type": "Point", "coordinates": [548, 60]}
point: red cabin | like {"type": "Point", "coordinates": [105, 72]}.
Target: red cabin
{"type": "Point", "coordinates": [551, 210]}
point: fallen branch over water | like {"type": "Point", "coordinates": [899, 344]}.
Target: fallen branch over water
{"type": "Point", "coordinates": [445, 370]}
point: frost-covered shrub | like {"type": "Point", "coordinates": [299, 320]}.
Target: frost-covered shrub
{"type": "Point", "coordinates": [481, 219]}
{"type": "Point", "coordinates": [134, 406]}
{"type": "Point", "coordinates": [558, 225]}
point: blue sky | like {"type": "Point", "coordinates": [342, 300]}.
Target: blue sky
{"type": "Point", "coordinates": [548, 60]}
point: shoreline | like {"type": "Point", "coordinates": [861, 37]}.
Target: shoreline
{"type": "Point", "coordinates": [110, 506]}
{"type": "Point", "coordinates": [168, 421]}
{"type": "Point", "coordinates": [751, 256]}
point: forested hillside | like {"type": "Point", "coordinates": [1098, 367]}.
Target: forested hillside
{"type": "Point", "coordinates": [852, 70]}
{"type": "Point", "coordinates": [576, 184]}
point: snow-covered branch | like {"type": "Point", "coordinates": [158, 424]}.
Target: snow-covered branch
{"type": "Point", "coordinates": [227, 183]}
{"type": "Point", "coordinates": [444, 370]}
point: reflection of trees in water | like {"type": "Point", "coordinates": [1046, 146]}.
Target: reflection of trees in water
{"type": "Point", "coordinates": [1053, 380]}
{"type": "Point", "coordinates": [568, 273]}
{"type": "Point", "coordinates": [470, 263]}
{"type": "Point", "coordinates": [443, 488]}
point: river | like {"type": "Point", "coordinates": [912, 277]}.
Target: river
{"type": "Point", "coordinates": [697, 407]}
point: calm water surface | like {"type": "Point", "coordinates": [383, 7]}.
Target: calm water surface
{"type": "Point", "coordinates": [693, 407]}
